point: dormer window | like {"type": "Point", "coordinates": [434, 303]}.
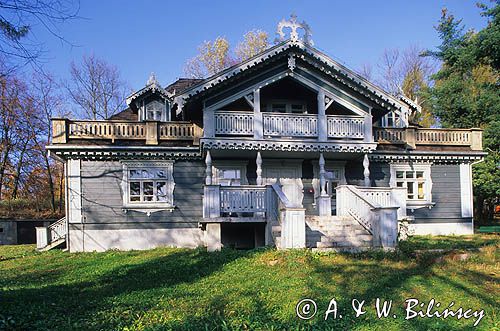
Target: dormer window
{"type": "Point", "coordinates": [155, 111]}
{"type": "Point", "coordinates": [392, 120]}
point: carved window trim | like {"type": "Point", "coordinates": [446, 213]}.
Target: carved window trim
{"type": "Point", "coordinates": [425, 169]}
{"type": "Point", "coordinates": [154, 205]}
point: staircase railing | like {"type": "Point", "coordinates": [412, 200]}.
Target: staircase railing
{"type": "Point", "coordinates": [52, 233]}
{"type": "Point", "coordinates": [380, 221]}
{"type": "Point", "coordinates": [290, 216]}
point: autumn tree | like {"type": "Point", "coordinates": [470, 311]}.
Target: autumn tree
{"type": "Point", "coordinates": [96, 87]}
{"type": "Point", "coordinates": [215, 56]}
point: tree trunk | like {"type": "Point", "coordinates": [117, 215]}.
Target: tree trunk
{"type": "Point", "coordinates": [61, 189]}
{"type": "Point", "coordinates": [19, 166]}
{"type": "Point", "coordinates": [51, 182]}
{"type": "Point", "coordinates": [3, 165]}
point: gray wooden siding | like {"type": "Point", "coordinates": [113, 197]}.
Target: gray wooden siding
{"type": "Point", "coordinates": [445, 190]}
{"type": "Point", "coordinates": [102, 196]}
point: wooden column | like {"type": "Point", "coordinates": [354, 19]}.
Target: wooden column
{"type": "Point", "coordinates": [322, 126]}
{"type": "Point", "coordinates": [258, 161]}
{"type": "Point", "coordinates": [208, 122]}
{"type": "Point", "coordinates": [476, 139]}
{"type": "Point", "coordinates": [258, 125]}
{"type": "Point", "coordinates": [366, 171]}
{"type": "Point", "coordinates": [410, 136]}
{"type": "Point", "coordinates": [208, 169]}
{"type": "Point", "coordinates": [324, 200]}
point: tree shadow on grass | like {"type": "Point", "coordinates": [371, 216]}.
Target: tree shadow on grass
{"type": "Point", "coordinates": [75, 305]}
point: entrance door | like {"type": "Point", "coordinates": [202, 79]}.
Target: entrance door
{"type": "Point", "coordinates": [288, 176]}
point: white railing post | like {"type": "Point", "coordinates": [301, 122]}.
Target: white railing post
{"type": "Point", "coordinates": [293, 228]}
{"type": "Point", "coordinates": [42, 237]}
{"type": "Point", "coordinates": [211, 201]}
{"type": "Point", "coordinates": [322, 125]}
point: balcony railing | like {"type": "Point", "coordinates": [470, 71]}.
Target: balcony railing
{"type": "Point", "coordinates": [345, 126]}
{"type": "Point", "coordinates": [235, 123]}
{"type": "Point", "coordinates": [290, 125]}
{"type": "Point", "coordinates": [64, 130]}
{"type": "Point", "coordinates": [413, 136]}
{"type": "Point", "coordinates": [249, 198]}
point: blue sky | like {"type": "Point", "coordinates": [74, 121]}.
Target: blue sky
{"type": "Point", "coordinates": [140, 37]}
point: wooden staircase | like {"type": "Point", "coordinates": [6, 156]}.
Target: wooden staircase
{"type": "Point", "coordinates": [51, 236]}
{"type": "Point", "coordinates": [336, 233]}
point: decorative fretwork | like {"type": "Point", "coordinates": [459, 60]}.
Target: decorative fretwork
{"type": "Point", "coordinates": [233, 123]}
{"type": "Point", "coordinates": [288, 125]}
{"type": "Point", "coordinates": [345, 127]}
{"type": "Point", "coordinates": [294, 34]}
{"type": "Point", "coordinates": [243, 199]}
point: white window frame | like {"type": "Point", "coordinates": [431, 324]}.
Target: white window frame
{"type": "Point", "coordinates": [162, 107]}
{"type": "Point", "coordinates": [398, 119]}
{"type": "Point", "coordinates": [219, 166]}
{"type": "Point", "coordinates": [288, 106]}
{"type": "Point", "coordinates": [427, 180]}
{"type": "Point", "coordinates": [168, 167]}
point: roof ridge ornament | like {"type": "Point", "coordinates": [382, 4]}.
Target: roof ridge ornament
{"type": "Point", "coordinates": [152, 80]}
{"type": "Point", "coordinates": [294, 26]}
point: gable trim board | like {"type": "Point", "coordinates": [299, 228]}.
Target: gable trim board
{"type": "Point", "coordinates": [340, 73]}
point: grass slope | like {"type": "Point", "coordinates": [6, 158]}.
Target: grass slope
{"type": "Point", "coordinates": [178, 289]}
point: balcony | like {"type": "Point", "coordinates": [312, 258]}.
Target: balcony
{"type": "Point", "coordinates": [414, 137]}
{"type": "Point", "coordinates": [65, 130]}
{"type": "Point", "coordinates": [276, 125]}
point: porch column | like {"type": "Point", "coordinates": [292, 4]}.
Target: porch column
{"type": "Point", "coordinates": [322, 127]}
{"type": "Point", "coordinates": [258, 125]}
{"type": "Point", "coordinates": [208, 169]}
{"type": "Point", "coordinates": [258, 161]}
{"type": "Point", "coordinates": [211, 193]}
{"type": "Point", "coordinates": [208, 122]}
{"type": "Point", "coordinates": [324, 201]}
{"type": "Point", "coordinates": [366, 171]}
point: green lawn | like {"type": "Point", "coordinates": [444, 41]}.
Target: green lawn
{"type": "Point", "coordinates": [179, 289]}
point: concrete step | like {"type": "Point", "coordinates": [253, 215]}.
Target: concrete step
{"type": "Point", "coordinates": [334, 233]}
{"type": "Point", "coordinates": [326, 238]}
{"type": "Point", "coordinates": [341, 244]}
{"type": "Point", "coordinates": [341, 249]}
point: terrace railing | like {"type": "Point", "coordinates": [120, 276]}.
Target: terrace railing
{"type": "Point", "coordinates": [64, 130]}
{"type": "Point", "coordinates": [414, 136]}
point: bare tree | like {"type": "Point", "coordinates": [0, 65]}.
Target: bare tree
{"type": "Point", "coordinates": [408, 73]}
{"type": "Point", "coordinates": [216, 56]}
{"type": "Point", "coordinates": [97, 88]}
{"type": "Point", "coordinates": [18, 46]}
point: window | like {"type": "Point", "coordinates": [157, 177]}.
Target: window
{"type": "Point", "coordinates": [417, 181]}
{"type": "Point", "coordinates": [392, 120]}
{"type": "Point", "coordinates": [148, 184]}
{"type": "Point", "coordinates": [287, 106]}
{"type": "Point", "coordinates": [229, 173]}
{"type": "Point", "coordinates": [155, 110]}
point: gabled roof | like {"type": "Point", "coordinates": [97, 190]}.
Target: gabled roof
{"type": "Point", "coordinates": [314, 57]}
{"type": "Point", "coordinates": [181, 84]}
